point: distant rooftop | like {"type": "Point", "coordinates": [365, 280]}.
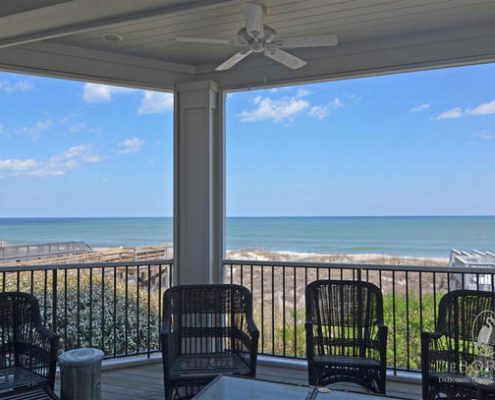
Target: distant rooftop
{"type": "Point", "coordinates": [473, 258]}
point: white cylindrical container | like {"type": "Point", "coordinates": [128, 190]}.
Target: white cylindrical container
{"type": "Point", "coordinates": [80, 372]}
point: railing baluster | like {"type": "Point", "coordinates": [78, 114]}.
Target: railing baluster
{"type": "Point", "coordinates": [273, 309]}
{"type": "Point", "coordinates": [160, 299]}
{"type": "Point", "coordinates": [407, 322]}
{"type": "Point", "coordinates": [91, 307]}
{"type": "Point", "coordinates": [103, 309]}
{"type": "Point", "coordinates": [126, 331]}
{"type": "Point", "coordinates": [138, 337]}
{"type": "Point", "coordinates": [435, 299]}
{"type": "Point", "coordinates": [149, 311]}
{"type": "Point", "coordinates": [262, 329]}
{"type": "Point", "coordinates": [45, 294]}
{"type": "Point", "coordinates": [420, 302]}
{"type": "Point", "coordinates": [65, 309]}
{"type": "Point", "coordinates": [283, 312]}
{"type": "Point", "coordinates": [114, 311]}
{"type": "Point", "coordinates": [54, 299]}
{"type": "Point", "coordinates": [78, 307]}
{"type": "Point", "coordinates": [294, 273]}
{"type": "Point", "coordinates": [394, 329]}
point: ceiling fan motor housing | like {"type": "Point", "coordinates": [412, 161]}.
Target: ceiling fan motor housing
{"type": "Point", "coordinates": [257, 44]}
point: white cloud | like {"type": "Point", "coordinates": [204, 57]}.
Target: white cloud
{"type": "Point", "coordinates": [451, 114]}
{"type": "Point", "coordinates": [420, 107]}
{"type": "Point", "coordinates": [11, 87]}
{"type": "Point", "coordinates": [35, 129]}
{"type": "Point", "coordinates": [17, 165]}
{"type": "Point", "coordinates": [483, 109]}
{"type": "Point", "coordinates": [482, 136]}
{"type": "Point", "coordinates": [303, 93]}
{"type": "Point", "coordinates": [278, 110]}
{"type": "Point", "coordinates": [98, 93]}
{"type": "Point", "coordinates": [128, 146]}
{"type": "Point", "coordinates": [156, 102]}
{"type": "Point", "coordinates": [322, 112]}
{"type": "Point", "coordinates": [56, 165]}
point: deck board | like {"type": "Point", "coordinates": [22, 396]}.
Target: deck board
{"type": "Point", "coordinates": [145, 382]}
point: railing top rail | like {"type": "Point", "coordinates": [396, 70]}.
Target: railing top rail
{"type": "Point", "coordinates": [49, 267]}
{"type": "Point", "coordinates": [480, 268]}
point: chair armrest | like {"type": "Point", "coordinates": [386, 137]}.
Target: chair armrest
{"type": "Point", "coordinates": [46, 333]}
{"type": "Point", "coordinates": [167, 346]}
{"type": "Point", "coordinates": [248, 335]}
{"type": "Point", "coordinates": [165, 330]}
{"type": "Point", "coordinates": [428, 338]}
{"type": "Point", "coordinates": [382, 340]}
{"type": "Point", "coordinates": [252, 329]}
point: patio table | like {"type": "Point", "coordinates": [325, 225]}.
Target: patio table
{"type": "Point", "coordinates": [240, 388]}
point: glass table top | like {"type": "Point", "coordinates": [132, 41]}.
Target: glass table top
{"type": "Point", "coordinates": [237, 388]}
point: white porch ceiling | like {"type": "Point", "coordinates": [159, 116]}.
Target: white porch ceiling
{"type": "Point", "coordinates": [375, 36]}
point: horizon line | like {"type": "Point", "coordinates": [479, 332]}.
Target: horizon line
{"type": "Point", "coordinates": [258, 216]}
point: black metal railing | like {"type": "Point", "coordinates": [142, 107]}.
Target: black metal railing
{"type": "Point", "coordinates": [115, 307]}
{"type": "Point", "coordinates": [411, 296]}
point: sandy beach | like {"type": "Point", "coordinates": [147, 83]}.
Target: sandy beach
{"type": "Point", "coordinates": [118, 254]}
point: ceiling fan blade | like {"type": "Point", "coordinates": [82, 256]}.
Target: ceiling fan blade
{"type": "Point", "coordinates": [186, 39]}
{"type": "Point", "coordinates": [253, 18]}
{"type": "Point", "coordinates": [308, 41]}
{"type": "Point", "coordinates": [285, 58]}
{"type": "Point", "coordinates": [230, 62]}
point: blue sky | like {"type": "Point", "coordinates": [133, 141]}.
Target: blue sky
{"type": "Point", "coordinates": [408, 144]}
{"type": "Point", "coordinates": [79, 149]}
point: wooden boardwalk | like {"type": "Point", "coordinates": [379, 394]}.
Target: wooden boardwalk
{"type": "Point", "coordinates": [145, 382]}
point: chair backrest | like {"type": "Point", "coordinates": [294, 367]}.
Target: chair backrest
{"type": "Point", "coordinates": [19, 313]}
{"type": "Point", "coordinates": [463, 313]}
{"type": "Point", "coordinates": [344, 315]}
{"type": "Point", "coordinates": [203, 318]}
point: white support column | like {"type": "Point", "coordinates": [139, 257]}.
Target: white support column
{"type": "Point", "coordinates": [199, 182]}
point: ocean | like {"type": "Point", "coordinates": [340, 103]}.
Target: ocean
{"type": "Point", "coordinates": [404, 236]}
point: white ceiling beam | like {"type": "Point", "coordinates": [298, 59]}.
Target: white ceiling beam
{"type": "Point", "coordinates": [56, 60]}
{"type": "Point", "coordinates": [61, 26]}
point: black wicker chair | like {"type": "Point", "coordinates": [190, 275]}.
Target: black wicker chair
{"type": "Point", "coordinates": [207, 330]}
{"type": "Point", "coordinates": [346, 339]}
{"type": "Point", "coordinates": [28, 351]}
{"type": "Point", "coordinates": [449, 354]}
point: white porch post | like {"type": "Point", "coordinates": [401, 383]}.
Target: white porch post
{"type": "Point", "coordinates": [199, 177]}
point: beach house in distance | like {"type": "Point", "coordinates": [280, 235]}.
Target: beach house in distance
{"type": "Point", "coordinates": [164, 45]}
{"type": "Point", "coordinates": [474, 259]}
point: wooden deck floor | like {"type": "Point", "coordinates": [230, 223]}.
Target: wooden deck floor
{"type": "Point", "coordinates": [145, 382]}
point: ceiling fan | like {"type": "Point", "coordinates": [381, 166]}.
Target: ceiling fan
{"type": "Point", "coordinates": [257, 37]}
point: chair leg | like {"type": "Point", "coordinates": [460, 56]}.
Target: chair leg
{"type": "Point", "coordinates": [169, 391]}
{"type": "Point", "coordinates": [382, 381]}
{"type": "Point", "coordinates": [312, 375]}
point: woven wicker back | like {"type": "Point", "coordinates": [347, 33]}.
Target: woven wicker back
{"type": "Point", "coordinates": [19, 312]}
{"type": "Point", "coordinates": [203, 317]}
{"type": "Point", "coordinates": [344, 315]}
{"type": "Point", "coordinates": [467, 318]}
